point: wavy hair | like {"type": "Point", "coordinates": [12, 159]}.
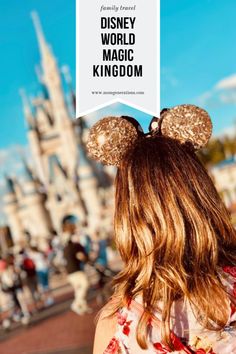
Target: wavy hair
{"type": "Point", "coordinates": [174, 235]}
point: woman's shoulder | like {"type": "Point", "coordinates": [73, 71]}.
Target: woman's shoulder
{"type": "Point", "coordinates": [113, 332]}
{"type": "Point", "coordinates": [105, 330]}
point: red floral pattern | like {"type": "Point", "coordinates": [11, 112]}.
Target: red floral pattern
{"type": "Point", "coordinates": [113, 347]}
{"type": "Point", "coordinates": [233, 309]}
{"type": "Point", "coordinates": [161, 349]}
{"type": "Point", "coordinates": [122, 321]}
{"type": "Point", "coordinates": [230, 270]}
{"type": "Point", "coordinates": [121, 318]}
{"type": "Point", "coordinates": [126, 328]}
{"type": "Point", "coordinates": [178, 344]}
{"type": "Point", "coordinates": [234, 289]}
{"type": "Point", "coordinates": [202, 351]}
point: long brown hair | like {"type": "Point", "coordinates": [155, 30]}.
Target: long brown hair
{"type": "Point", "coordinates": [173, 233]}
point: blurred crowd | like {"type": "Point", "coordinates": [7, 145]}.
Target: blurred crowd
{"type": "Point", "coordinates": [26, 275]}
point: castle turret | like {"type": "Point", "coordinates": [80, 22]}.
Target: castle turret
{"type": "Point", "coordinates": [33, 135]}
{"type": "Point", "coordinates": [28, 114]}
{"type": "Point", "coordinates": [30, 184]}
{"type": "Point", "coordinates": [88, 189]}
{"type": "Point", "coordinates": [44, 118]}
{"type": "Point", "coordinates": [44, 90]}
{"type": "Point", "coordinates": [35, 218]}
{"type": "Point", "coordinates": [11, 207]}
{"type": "Point", "coordinates": [66, 72]}
{"type": "Point", "coordinates": [63, 195]}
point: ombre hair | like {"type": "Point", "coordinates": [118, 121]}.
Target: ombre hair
{"type": "Point", "coordinates": [174, 235]}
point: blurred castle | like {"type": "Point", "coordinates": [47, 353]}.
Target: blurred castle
{"type": "Point", "coordinates": [224, 176]}
{"type": "Point", "coordinates": [63, 182]}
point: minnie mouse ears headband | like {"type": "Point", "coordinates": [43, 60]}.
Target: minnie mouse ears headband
{"type": "Point", "coordinates": [112, 137]}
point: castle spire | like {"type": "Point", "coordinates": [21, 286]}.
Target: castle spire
{"type": "Point", "coordinates": [41, 81]}
{"type": "Point", "coordinates": [43, 46]}
{"type": "Point", "coordinates": [27, 110]}
{"type": "Point", "coordinates": [66, 73]}
{"type": "Point", "coordinates": [27, 171]}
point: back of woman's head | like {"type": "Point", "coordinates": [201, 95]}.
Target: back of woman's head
{"type": "Point", "coordinates": [171, 227]}
{"type": "Point", "coordinates": [173, 232]}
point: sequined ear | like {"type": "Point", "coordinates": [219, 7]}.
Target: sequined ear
{"type": "Point", "coordinates": [188, 124]}
{"type": "Point", "coordinates": [111, 138]}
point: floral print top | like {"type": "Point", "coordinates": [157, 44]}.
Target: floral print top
{"type": "Point", "coordinates": [187, 334]}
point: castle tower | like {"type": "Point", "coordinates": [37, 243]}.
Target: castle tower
{"type": "Point", "coordinates": [43, 116]}
{"type": "Point", "coordinates": [63, 196]}
{"type": "Point", "coordinates": [88, 187]}
{"type": "Point", "coordinates": [44, 90]}
{"type": "Point", "coordinates": [35, 218]}
{"type": "Point", "coordinates": [66, 72]}
{"type": "Point", "coordinates": [33, 136]}
{"type": "Point", "coordinates": [52, 80]}
{"type": "Point", "coordinates": [11, 208]}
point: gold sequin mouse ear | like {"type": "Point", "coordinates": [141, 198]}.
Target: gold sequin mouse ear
{"type": "Point", "coordinates": [111, 138]}
{"type": "Point", "coordinates": [187, 124]}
